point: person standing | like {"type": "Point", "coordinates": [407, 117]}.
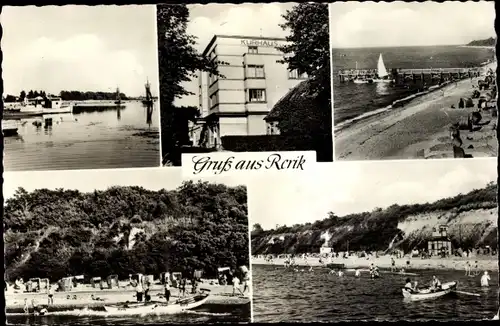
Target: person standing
{"type": "Point", "coordinates": [236, 285]}
{"type": "Point", "coordinates": [50, 293]}
{"type": "Point", "coordinates": [26, 308]}
{"type": "Point", "coordinates": [393, 264]}
{"type": "Point", "coordinates": [139, 290]}
{"type": "Point", "coordinates": [485, 279]}
{"type": "Point", "coordinates": [167, 290]}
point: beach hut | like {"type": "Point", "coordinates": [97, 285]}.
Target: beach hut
{"type": "Point", "coordinates": [44, 284]}
{"type": "Point", "coordinates": [95, 282]}
{"type": "Point", "coordinates": [66, 284]}
{"type": "Point", "coordinates": [164, 277]}
{"type": "Point", "coordinates": [176, 276]}
{"type": "Point", "coordinates": [78, 280]}
{"type": "Point", "coordinates": [112, 281]}
{"type": "Point", "coordinates": [137, 278]}
{"type": "Point", "coordinates": [198, 274]}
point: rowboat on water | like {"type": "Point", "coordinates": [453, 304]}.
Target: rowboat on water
{"type": "Point", "coordinates": [428, 294]}
{"type": "Point", "coordinates": [157, 307]}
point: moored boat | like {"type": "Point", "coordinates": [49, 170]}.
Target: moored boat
{"type": "Point", "coordinates": [428, 294]}
{"type": "Point", "coordinates": [9, 129]}
{"type": "Point", "coordinates": [157, 307]}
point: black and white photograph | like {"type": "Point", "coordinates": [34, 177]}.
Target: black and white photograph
{"type": "Point", "coordinates": [414, 80]}
{"type": "Point", "coordinates": [80, 87]}
{"type": "Point", "coordinates": [244, 78]}
{"type": "Point", "coordinates": [386, 241]}
{"type": "Point", "coordinates": [124, 247]}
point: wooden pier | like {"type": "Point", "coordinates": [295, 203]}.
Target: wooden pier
{"type": "Point", "coordinates": [402, 75]}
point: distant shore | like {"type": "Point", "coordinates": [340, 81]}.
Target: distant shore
{"type": "Point", "coordinates": [489, 263]}
{"type": "Point", "coordinates": [220, 295]}
{"type": "Point", "coordinates": [418, 129]}
{"type": "Point", "coordinates": [478, 46]}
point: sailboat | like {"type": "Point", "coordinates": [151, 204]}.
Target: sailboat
{"type": "Point", "coordinates": [382, 74]}
{"type": "Point", "coordinates": [149, 96]}
{"type": "Point", "coordinates": [118, 99]}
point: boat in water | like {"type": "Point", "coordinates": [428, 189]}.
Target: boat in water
{"type": "Point", "coordinates": [156, 307]}
{"type": "Point", "coordinates": [149, 97]}
{"type": "Point", "coordinates": [429, 294]}
{"type": "Point", "coordinates": [382, 74]}
{"type": "Point", "coordinates": [118, 97]}
{"type": "Point", "coordinates": [9, 128]}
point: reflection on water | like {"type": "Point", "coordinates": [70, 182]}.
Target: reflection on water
{"type": "Point", "coordinates": [101, 139]}
{"type": "Point", "coordinates": [206, 314]}
{"type": "Point", "coordinates": [319, 296]}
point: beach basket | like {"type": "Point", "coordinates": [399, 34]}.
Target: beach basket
{"type": "Point", "coordinates": [465, 123]}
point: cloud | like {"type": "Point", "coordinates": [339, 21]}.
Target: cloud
{"type": "Point", "coordinates": [371, 24]}
{"type": "Point", "coordinates": [236, 20]}
{"type": "Point", "coordinates": [79, 48]}
{"type": "Point", "coordinates": [81, 62]}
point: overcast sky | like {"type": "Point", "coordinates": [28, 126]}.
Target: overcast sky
{"type": "Point", "coordinates": [83, 48]}
{"type": "Point", "coordinates": [370, 24]}
{"type": "Point", "coordinates": [229, 19]}
{"type": "Point", "coordinates": [352, 187]}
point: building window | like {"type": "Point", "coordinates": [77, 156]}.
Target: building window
{"type": "Point", "coordinates": [294, 74]}
{"type": "Point", "coordinates": [253, 50]}
{"type": "Point", "coordinates": [255, 71]}
{"type": "Point", "coordinates": [256, 95]}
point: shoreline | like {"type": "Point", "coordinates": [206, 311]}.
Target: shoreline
{"type": "Point", "coordinates": [14, 302]}
{"type": "Point", "coordinates": [454, 263]}
{"type": "Point", "coordinates": [421, 125]}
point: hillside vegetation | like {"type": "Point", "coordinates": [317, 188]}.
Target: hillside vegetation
{"type": "Point", "coordinates": [471, 218]}
{"type": "Point", "coordinates": [125, 230]}
{"type": "Point", "coordinates": [486, 42]}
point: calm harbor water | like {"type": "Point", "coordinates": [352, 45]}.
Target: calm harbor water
{"type": "Point", "coordinates": [204, 314]}
{"type": "Point", "coordinates": [352, 100]}
{"type": "Point", "coordinates": [281, 296]}
{"type": "Point", "coordinates": [116, 138]}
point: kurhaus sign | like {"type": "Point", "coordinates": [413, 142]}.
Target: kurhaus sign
{"type": "Point", "coordinates": [266, 43]}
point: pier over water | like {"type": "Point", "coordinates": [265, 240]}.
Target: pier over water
{"type": "Point", "coordinates": [401, 75]}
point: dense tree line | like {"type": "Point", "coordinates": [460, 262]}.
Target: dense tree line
{"type": "Point", "coordinates": [486, 42]}
{"type": "Point", "coordinates": [85, 96]}
{"type": "Point", "coordinates": [375, 230]}
{"type": "Point", "coordinates": [68, 96]}
{"type": "Point", "coordinates": [197, 226]}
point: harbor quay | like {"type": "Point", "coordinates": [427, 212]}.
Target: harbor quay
{"type": "Point", "coordinates": [402, 75]}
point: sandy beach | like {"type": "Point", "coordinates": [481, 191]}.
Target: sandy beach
{"type": "Point", "coordinates": [420, 129]}
{"type": "Point", "coordinates": [484, 263]}
{"type": "Point", "coordinates": [15, 301]}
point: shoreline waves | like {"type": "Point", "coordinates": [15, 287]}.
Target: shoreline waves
{"type": "Point", "coordinates": [452, 263]}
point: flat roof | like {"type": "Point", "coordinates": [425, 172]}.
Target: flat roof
{"type": "Point", "coordinates": [212, 41]}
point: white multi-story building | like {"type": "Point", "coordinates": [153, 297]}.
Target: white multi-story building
{"type": "Point", "coordinates": [253, 81]}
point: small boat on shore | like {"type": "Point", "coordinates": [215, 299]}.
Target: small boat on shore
{"type": "Point", "coordinates": [9, 128]}
{"type": "Point", "coordinates": [428, 294]}
{"type": "Point", "coordinates": [157, 307]}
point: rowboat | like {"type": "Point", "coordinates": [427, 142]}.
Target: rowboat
{"type": "Point", "coordinates": [157, 307]}
{"type": "Point", "coordinates": [428, 294]}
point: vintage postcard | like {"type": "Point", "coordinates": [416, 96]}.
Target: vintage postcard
{"type": "Point", "coordinates": [414, 80]}
{"type": "Point", "coordinates": [80, 87]}
{"type": "Point", "coordinates": [244, 78]}
{"type": "Point", "coordinates": [127, 246]}
{"type": "Point", "coordinates": [376, 241]}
